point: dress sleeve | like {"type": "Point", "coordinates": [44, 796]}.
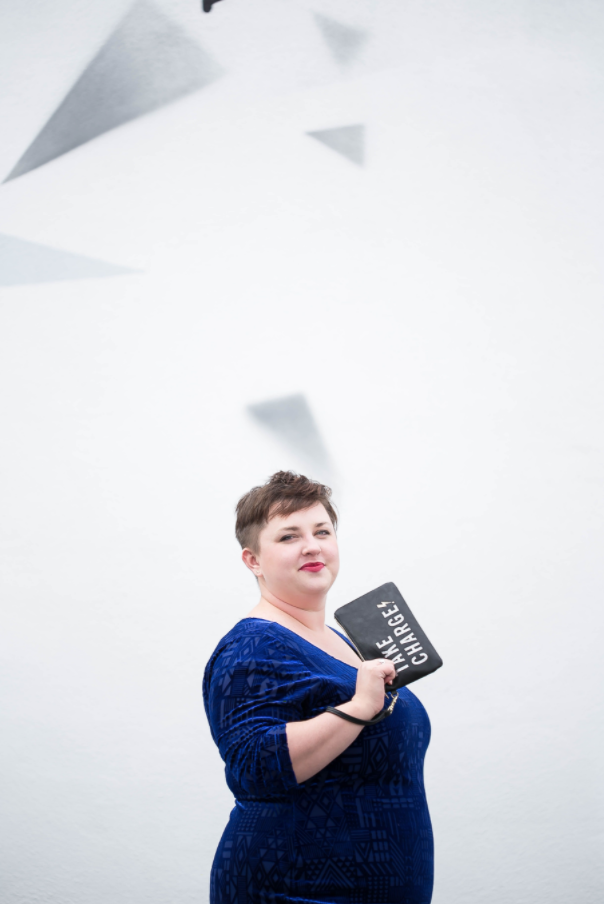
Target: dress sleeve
{"type": "Point", "coordinates": [249, 698]}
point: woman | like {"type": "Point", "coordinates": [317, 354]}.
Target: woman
{"type": "Point", "coordinates": [326, 811]}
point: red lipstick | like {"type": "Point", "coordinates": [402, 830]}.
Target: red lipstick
{"type": "Point", "coordinates": [313, 566]}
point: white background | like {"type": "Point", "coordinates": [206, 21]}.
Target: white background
{"type": "Point", "coordinates": [441, 310]}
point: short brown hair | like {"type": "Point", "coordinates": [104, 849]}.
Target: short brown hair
{"type": "Point", "coordinates": [283, 494]}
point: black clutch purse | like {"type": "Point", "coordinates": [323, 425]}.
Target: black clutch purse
{"type": "Point", "coordinates": [381, 625]}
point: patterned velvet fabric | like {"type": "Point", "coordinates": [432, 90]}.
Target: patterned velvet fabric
{"type": "Point", "coordinates": [359, 831]}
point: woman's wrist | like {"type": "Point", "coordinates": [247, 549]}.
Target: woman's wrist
{"type": "Point", "coordinates": [359, 708]}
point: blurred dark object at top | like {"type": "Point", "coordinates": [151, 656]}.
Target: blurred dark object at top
{"type": "Point", "coordinates": [207, 5]}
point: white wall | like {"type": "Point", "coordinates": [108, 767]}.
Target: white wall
{"type": "Point", "coordinates": [441, 310]}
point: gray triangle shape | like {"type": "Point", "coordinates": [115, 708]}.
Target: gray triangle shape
{"type": "Point", "coordinates": [346, 140]}
{"type": "Point", "coordinates": [23, 263]}
{"type": "Point", "coordinates": [291, 419]}
{"type": "Point", "coordinates": [343, 41]}
{"type": "Point", "coordinates": [146, 63]}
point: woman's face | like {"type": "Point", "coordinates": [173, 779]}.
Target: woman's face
{"type": "Point", "coordinates": [297, 556]}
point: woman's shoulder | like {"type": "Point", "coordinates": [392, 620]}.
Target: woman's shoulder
{"type": "Point", "coordinates": [253, 639]}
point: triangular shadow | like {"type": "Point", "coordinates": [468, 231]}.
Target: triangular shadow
{"type": "Point", "coordinates": [344, 42]}
{"type": "Point", "coordinates": [291, 420]}
{"type": "Point", "coordinates": [349, 141]}
{"type": "Point", "coordinates": [25, 263]}
{"type": "Point", "coordinates": [146, 63]}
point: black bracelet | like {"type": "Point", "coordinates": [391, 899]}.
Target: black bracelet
{"type": "Point", "coordinates": [383, 715]}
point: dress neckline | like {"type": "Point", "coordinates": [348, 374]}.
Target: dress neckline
{"type": "Point", "coordinates": [310, 644]}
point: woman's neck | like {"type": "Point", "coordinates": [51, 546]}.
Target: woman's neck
{"type": "Point", "coordinates": [274, 609]}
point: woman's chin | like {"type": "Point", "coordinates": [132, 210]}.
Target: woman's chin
{"type": "Point", "coordinates": [319, 582]}
{"type": "Point", "coordinates": [302, 586]}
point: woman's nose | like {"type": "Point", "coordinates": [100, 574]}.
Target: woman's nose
{"type": "Point", "coordinates": [311, 546]}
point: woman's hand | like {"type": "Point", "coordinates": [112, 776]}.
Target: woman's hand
{"type": "Point", "coordinates": [372, 678]}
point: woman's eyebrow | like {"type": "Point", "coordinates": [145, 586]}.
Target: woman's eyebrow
{"type": "Point", "coordinates": [318, 524]}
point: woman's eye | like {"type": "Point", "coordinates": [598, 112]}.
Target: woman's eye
{"type": "Point", "coordinates": [286, 537]}
{"type": "Point", "coordinates": [323, 532]}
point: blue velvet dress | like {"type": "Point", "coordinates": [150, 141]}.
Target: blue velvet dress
{"type": "Point", "coordinates": [359, 831]}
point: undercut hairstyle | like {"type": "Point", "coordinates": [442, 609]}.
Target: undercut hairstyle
{"type": "Point", "coordinates": [283, 494]}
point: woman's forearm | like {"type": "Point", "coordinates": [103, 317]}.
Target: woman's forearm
{"type": "Point", "coordinates": [316, 742]}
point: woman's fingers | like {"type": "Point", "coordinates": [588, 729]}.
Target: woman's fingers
{"type": "Point", "coordinates": [385, 667]}
{"type": "Point", "coordinates": [381, 667]}
{"type": "Point", "coordinates": [376, 673]}
{"type": "Point", "coordinates": [372, 678]}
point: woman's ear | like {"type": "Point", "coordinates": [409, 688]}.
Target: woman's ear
{"type": "Point", "coordinates": [250, 559]}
